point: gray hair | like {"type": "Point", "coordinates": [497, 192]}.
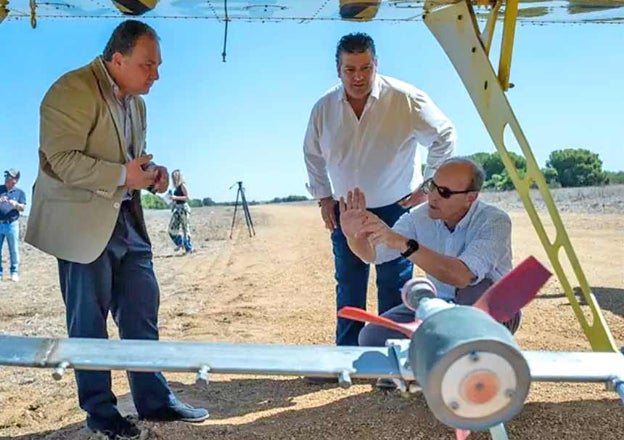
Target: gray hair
{"type": "Point", "coordinates": [478, 174]}
{"type": "Point", "coordinates": [125, 36]}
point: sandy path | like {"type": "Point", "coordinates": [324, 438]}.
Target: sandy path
{"type": "Point", "coordinates": [278, 288]}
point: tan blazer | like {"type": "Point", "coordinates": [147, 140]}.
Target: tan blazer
{"type": "Point", "coordinates": [76, 197]}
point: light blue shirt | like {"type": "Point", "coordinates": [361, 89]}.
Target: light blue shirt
{"type": "Point", "coordinates": [482, 240]}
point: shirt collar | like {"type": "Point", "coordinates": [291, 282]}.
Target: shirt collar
{"type": "Point", "coordinates": [375, 90]}
{"type": "Point", "coordinates": [464, 222]}
{"type": "Point", "coordinates": [113, 84]}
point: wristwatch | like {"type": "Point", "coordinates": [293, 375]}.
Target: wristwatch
{"type": "Point", "coordinates": [412, 246]}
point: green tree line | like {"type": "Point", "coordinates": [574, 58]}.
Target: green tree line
{"type": "Point", "coordinates": [153, 201]}
{"type": "Point", "coordinates": [570, 167]}
{"type": "Point", "coordinates": [564, 168]}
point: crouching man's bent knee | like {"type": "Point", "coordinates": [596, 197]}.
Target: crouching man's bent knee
{"type": "Point", "coordinates": [374, 335]}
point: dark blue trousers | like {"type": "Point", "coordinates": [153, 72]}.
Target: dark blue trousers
{"type": "Point", "coordinates": [352, 277]}
{"type": "Point", "coordinates": [120, 281]}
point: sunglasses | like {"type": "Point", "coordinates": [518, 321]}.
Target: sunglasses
{"type": "Point", "coordinates": [429, 185]}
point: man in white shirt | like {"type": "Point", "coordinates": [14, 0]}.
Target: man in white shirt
{"type": "Point", "coordinates": [463, 244]}
{"type": "Point", "coordinates": [364, 133]}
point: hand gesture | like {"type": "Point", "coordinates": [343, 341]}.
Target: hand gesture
{"type": "Point", "coordinates": [353, 214]}
{"type": "Point", "coordinates": [378, 232]}
{"type": "Point", "coordinates": [136, 176]}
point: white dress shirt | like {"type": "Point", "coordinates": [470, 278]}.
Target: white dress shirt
{"type": "Point", "coordinates": [481, 240]}
{"type": "Point", "coordinates": [378, 152]}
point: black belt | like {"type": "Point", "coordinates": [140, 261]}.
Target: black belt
{"type": "Point", "coordinates": [6, 222]}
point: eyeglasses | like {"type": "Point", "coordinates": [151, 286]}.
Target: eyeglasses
{"type": "Point", "coordinates": [429, 185]}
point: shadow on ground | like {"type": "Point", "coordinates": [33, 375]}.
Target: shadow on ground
{"type": "Point", "coordinates": [371, 415]}
{"type": "Point", "coordinates": [608, 298]}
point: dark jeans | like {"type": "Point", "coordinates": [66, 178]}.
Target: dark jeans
{"type": "Point", "coordinates": [352, 277]}
{"type": "Point", "coordinates": [121, 280]}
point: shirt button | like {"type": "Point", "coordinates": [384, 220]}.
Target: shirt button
{"type": "Point", "coordinates": [116, 205]}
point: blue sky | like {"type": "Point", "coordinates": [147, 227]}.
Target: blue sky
{"type": "Point", "coordinates": [245, 119]}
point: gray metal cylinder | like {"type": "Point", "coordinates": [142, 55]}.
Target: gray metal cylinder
{"type": "Point", "coordinates": [416, 289]}
{"type": "Point", "coordinates": [471, 370]}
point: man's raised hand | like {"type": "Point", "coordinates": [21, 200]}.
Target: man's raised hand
{"type": "Point", "coordinates": [353, 214]}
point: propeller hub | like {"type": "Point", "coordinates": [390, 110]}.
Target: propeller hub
{"type": "Point", "coordinates": [471, 370]}
{"type": "Point", "coordinates": [480, 387]}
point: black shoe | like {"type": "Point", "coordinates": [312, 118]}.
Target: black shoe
{"type": "Point", "coordinates": [385, 384]}
{"type": "Point", "coordinates": [179, 411]}
{"type": "Point", "coordinates": [116, 428]}
{"type": "Point", "coordinates": [311, 380]}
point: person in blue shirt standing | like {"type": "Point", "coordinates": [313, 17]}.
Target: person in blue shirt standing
{"type": "Point", "coordinates": [12, 202]}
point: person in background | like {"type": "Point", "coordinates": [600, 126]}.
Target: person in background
{"type": "Point", "coordinates": [364, 132]}
{"type": "Point", "coordinates": [180, 223]}
{"type": "Point", "coordinates": [12, 202]}
{"type": "Point", "coordinates": [87, 213]}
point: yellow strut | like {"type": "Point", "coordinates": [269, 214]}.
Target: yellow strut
{"type": "Point", "coordinates": [456, 29]}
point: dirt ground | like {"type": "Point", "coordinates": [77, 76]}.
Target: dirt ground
{"type": "Point", "coordinates": [278, 288]}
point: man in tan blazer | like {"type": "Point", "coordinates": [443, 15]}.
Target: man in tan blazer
{"type": "Point", "coordinates": [87, 213]}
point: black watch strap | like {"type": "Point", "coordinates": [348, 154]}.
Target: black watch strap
{"type": "Point", "coordinates": [412, 246]}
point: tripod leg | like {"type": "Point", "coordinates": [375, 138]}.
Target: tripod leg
{"type": "Point", "coordinates": [250, 225]}
{"type": "Point", "coordinates": [247, 215]}
{"type": "Point", "coordinates": [234, 216]}
{"type": "Point", "coordinates": [250, 221]}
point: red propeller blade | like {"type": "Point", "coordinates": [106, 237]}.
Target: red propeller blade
{"type": "Point", "coordinates": [362, 315]}
{"type": "Point", "coordinates": [514, 291]}
{"type": "Point", "coordinates": [461, 434]}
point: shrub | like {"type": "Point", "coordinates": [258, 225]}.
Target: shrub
{"type": "Point", "coordinates": [577, 167]}
{"type": "Point", "coordinates": [152, 201]}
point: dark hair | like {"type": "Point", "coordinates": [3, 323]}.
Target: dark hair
{"type": "Point", "coordinates": [125, 36]}
{"type": "Point", "coordinates": [357, 42]}
{"type": "Point", "coordinates": [478, 175]}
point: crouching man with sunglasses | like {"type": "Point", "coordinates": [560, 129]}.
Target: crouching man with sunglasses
{"type": "Point", "coordinates": [462, 243]}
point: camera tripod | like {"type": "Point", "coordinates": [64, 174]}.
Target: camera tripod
{"type": "Point", "coordinates": [240, 193]}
